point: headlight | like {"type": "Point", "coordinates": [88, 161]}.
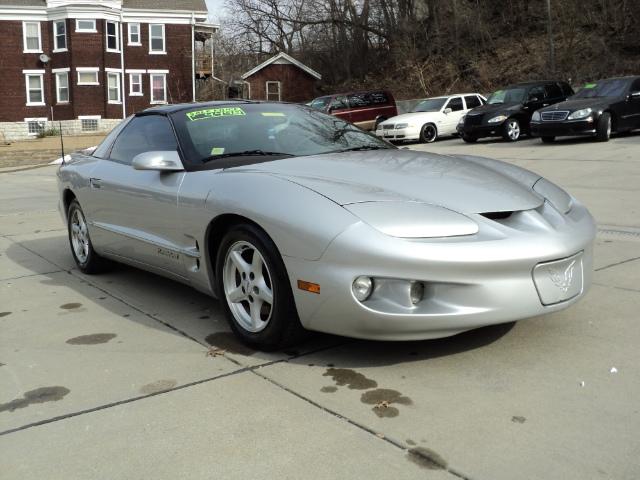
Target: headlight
{"type": "Point", "coordinates": [401, 125]}
{"type": "Point", "coordinates": [498, 119]}
{"type": "Point", "coordinates": [585, 112]}
{"type": "Point", "coordinates": [535, 117]}
{"type": "Point", "coordinates": [362, 287]}
{"type": "Point", "coordinates": [556, 196]}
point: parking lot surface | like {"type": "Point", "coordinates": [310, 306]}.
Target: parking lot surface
{"type": "Point", "coordinates": [129, 375]}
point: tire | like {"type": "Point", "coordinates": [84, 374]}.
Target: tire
{"type": "Point", "coordinates": [87, 260]}
{"type": "Point", "coordinates": [548, 139]}
{"type": "Point", "coordinates": [428, 133]}
{"type": "Point", "coordinates": [469, 138]}
{"type": "Point", "coordinates": [246, 284]}
{"type": "Point", "coordinates": [603, 127]}
{"type": "Point", "coordinates": [511, 130]}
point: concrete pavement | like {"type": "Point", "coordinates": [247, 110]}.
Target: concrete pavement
{"type": "Point", "coordinates": [129, 375]}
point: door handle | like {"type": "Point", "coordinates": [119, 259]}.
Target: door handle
{"type": "Point", "coordinates": [95, 183]}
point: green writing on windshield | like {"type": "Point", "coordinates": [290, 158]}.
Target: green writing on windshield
{"type": "Point", "coordinates": [215, 113]}
{"type": "Point", "coordinates": [590, 85]}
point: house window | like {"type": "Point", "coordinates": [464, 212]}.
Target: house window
{"type": "Point", "coordinates": [134, 34]}
{"type": "Point", "coordinates": [62, 87]}
{"type": "Point", "coordinates": [35, 88]}
{"type": "Point", "coordinates": [135, 84]}
{"type": "Point", "coordinates": [113, 86]}
{"type": "Point", "coordinates": [86, 26]}
{"type": "Point", "coordinates": [158, 88]}
{"type": "Point", "coordinates": [32, 38]}
{"type": "Point", "coordinates": [273, 91]}
{"type": "Point", "coordinates": [36, 126]}
{"type": "Point", "coordinates": [87, 76]}
{"type": "Point", "coordinates": [113, 37]}
{"type": "Point", "coordinates": [156, 39]}
{"type": "Point", "coordinates": [59, 36]}
{"type": "Point", "coordinates": [89, 123]}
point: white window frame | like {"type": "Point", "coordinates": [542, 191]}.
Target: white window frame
{"type": "Point", "coordinates": [164, 40]}
{"type": "Point", "coordinates": [24, 38]}
{"type": "Point", "coordinates": [106, 36]}
{"type": "Point", "coordinates": [56, 47]}
{"type": "Point", "coordinates": [266, 91]}
{"type": "Point", "coordinates": [139, 74]}
{"type": "Point", "coordinates": [38, 119]}
{"type": "Point", "coordinates": [118, 74]}
{"type": "Point", "coordinates": [58, 72]}
{"type": "Point", "coordinates": [34, 73]}
{"type": "Point", "coordinates": [158, 73]}
{"type": "Point", "coordinates": [80, 70]}
{"type": "Point", "coordinates": [86, 30]}
{"type": "Point", "coordinates": [129, 42]}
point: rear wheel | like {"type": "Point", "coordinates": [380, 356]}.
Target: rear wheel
{"type": "Point", "coordinates": [255, 291]}
{"type": "Point", "coordinates": [511, 130]}
{"type": "Point", "coordinates": [87, 260]}
{"type": "Point", "coordinates": [603, 128]}
{"type": "Point", "coordinates": [548, 139]}
{"type": "Point", "coordinates": [428, 133]}
{"type": "Point", "coordinates": [469, 138]}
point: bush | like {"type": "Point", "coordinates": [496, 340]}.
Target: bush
{"type": "Point", "coordinates": [49, 132]}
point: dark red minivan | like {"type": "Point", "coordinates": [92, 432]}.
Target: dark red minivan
{"type": "Point", "coordinates": [364, 109]}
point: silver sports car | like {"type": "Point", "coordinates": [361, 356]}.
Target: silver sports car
{"type": "Point", "coordinates": [297, 220]}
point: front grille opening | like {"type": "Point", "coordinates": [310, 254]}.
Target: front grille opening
{"type": "Point", "coordinates": [497, 215]}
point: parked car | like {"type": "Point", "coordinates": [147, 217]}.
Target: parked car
{"type": "Point", "coordinates": [599, 108]}
{"type": "Point", "coordinates": [363, 109]}
{"type": "Point", "coordinates": [430, 119]}
{"type": "Point", "coordinates": [293, 218]}
{"type": "Point", "coordinates": [508, 112]}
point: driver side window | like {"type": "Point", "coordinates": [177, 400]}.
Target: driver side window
{"type": "Point", "coordinates": [537, 92]}
{"type": "Point", "coordinates": [143, 134]}
{"type": "Point", "coordinates": [455, 104]}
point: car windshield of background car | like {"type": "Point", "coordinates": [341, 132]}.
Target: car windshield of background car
{"type": "Point", "coordinates": [510, 95]}
{"type": "Point", "coordinates": [606, 88]}
{"type": "Point", "coordinates": [430, 105]}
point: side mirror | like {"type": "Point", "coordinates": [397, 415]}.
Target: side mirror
{"type": "Point", "coordinates": [447, 111]}
{"type": "Point", "coordinates": [167, 161]}
{"type": "Point", "coordinates": [533, 99]}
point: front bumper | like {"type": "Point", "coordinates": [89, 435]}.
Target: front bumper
{"type": "Point", "coordinates": [470, 281]}
{"type": "Point", "coordinates": [562, 129]}
{"type": "Point", "coordinates": [398, 134]}
{"type": "Point", "coordinates": [481, 131]}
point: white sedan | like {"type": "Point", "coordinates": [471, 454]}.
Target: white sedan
{"type": "Point", "coordinates": [430, 119]}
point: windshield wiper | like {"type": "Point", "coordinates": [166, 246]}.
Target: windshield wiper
{"type": "Point", "coordinates": [246, 153]}
{"type": "Point", "coordinates": [364, 147]}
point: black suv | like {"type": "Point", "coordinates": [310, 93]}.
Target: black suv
{"type": "Point", "coordinates": [508, 112]}
{"type": "Point", "coordinates": [596, 110]}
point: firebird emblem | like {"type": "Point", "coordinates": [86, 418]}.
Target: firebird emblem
{"type": "Point", "coordinates": [562, 278]}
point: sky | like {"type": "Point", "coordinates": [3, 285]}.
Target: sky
{"type": "Point", "coordinates": [215, 8]}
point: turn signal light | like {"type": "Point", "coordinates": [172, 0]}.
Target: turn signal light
{"type": "Point", "coordinates": [308, 286]}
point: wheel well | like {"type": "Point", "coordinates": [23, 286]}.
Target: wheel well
{"type": "Point", "coordinates": [67, 197]}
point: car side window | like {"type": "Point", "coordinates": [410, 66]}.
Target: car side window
{"type": "Point", "coordinates": [102, 151]}
{"type": "Point", "coordinates": [472, 101]}
{"type": "Point", "coordinates": [378, 98]}
{"type": "Point", "coordinates": [339, 103]}
{"type": "Point", "coordinates": [148, 133]}
{"type": "Point", "coordinates": [537, 92]}
{"type": "Point", "coordinates": [567, 91]}
{"type": "Point", "coordinates": [553, 91]}
{"type": "Point", "coordinates": [455, 104]}
{"type": "Point", "coordinates": [359, 100]}
{"type": "Point", "coordinates": [635, 87]}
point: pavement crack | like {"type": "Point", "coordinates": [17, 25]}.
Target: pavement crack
{"type": "Point", "coordinates": [618, 263]}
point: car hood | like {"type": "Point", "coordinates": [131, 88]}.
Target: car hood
{"type": "Point", "coordinates": [579, 104]}
{"type": "Point", "coordinates": [410, 117]}
{"type": "Point", "coordinates": [497, 109]}
{"type": "Point", "coordinates": [462, 184]}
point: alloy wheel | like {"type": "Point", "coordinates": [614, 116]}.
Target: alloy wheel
{"type": "Point", "coordinates": [513, 130]}
{"type": "Point", "coordinates": [79, 236]}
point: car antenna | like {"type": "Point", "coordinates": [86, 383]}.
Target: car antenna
{"type": "Point", "coordinates": [61, 141]}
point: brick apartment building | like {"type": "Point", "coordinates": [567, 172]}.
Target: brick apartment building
{"type": "Point", "coordinates": [90, 63]}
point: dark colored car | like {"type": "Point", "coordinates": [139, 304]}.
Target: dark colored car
{"type": "Point", "coordinates": [508, 112]}
{"type": "Point", "coordinates": [599, 108]}
{"type": "Point", "coordinates": [364, 109]}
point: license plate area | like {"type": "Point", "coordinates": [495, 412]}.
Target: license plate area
{"type": "Point", "coordinates": [559, 280]}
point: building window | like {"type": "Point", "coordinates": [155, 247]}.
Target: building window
{"type": "Point", "coordinates": [113, 86]}
{"type": "Point", "coordinates": [158, 88]}
{"type": "Point", "coordinates": [273, 91]}
{"type": "Point", "coordinates": [35, 88]}
{"type": "Point", "coordinates": [36, 126]}
{"type": "Point", "coordinates": [32, 38]}
{"type": "Point", "coordinates": [89, 123]}
{"type": "Point", "coordinates": [135, 84]}
{"type": "Point", "coordinates": [134, 34]}
{"type": "Point", "coordinates": [60, 36]}
{"type": "Point", "coordinates": [62, 87]}
{"type": "Point", "coordinates": [113, 37]}
{"type": "Point", "coordinates": [87, 76]}
{"type": "Point", "coordinates": [86, 26]}
{"type": "Point", "coordinates": [156, 39]}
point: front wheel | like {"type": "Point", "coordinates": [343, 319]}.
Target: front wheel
{"type": "Point", "coordinates": [603, 128]}
{"type": "Point", "coordinates": [429, 133]}
{"type": "Point", "coordinates": [548, 139]}
{"type": "Point", "coordinates": [511, 130]}
{"type": "Point", "coordinates": [87, 260]}
{"type": "Point", "coordinates": [255, 291]}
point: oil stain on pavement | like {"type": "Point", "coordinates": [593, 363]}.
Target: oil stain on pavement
{"type": "Point", "coordinates": [39, 395]}
{"type": "Point", "coordinates": [350, 378]}
{"type": "Point", "coordinates": [4, 314]}
{"type": "Point", "coordinates": [382, 400]}
{"type": "Point", "coordinates": [157, 387]}
{"type": "Point", "coordinates": [329, 389]}
{"type": "Point", "coordinates": [426, 458]}
{"type": "Point", "coordinates": [70, 306]}
{"type": "Point", "coordinates": [227, 341]}
{"type": "Point", "coordinates": [94, 339]}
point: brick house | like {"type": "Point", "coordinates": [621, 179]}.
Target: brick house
{"type": "Point", "coordinates": [281, 78]}
{"type": "Point", "coordinates": [90, 64]}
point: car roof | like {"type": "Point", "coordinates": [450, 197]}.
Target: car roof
{"type": "Point", "coordinates": [534, 82]}
{"type": "Point", "coordinates": [625, 77]}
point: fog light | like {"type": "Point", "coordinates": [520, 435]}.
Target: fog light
{"type": "Point", "coordinates": [416, 292]}
{"type": "Point", "coordinates": [362, 287]}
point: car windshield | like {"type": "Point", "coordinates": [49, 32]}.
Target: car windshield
{"type": "Point", "coordinates": [430, 105]}
{"type": "Point", "coordinates": [604, 88]}
{"type": "Point", "coordinates": [208, 133]}
{"type": "Point", "coordinates": [509, 95]}
{"type": "Point", "coordinates": [320, 103]}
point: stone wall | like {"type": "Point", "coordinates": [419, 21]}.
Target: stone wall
{"type": "Point", "coordinates": [15, 131]}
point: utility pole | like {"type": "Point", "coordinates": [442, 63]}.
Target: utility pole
{"type": "Point", "coordinates": [552, 55]}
